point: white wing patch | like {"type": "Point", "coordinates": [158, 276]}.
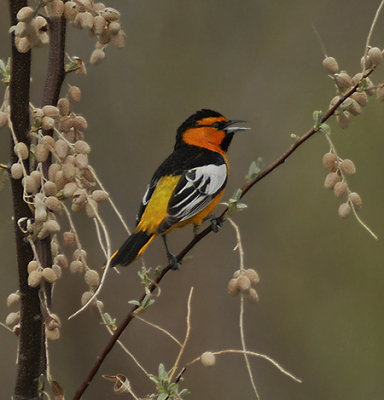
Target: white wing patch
{"type": "Point", "coordinates": [196, 189]}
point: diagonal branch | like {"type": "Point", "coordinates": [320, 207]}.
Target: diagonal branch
{"type": "Point", "coordinates": [130, 316]}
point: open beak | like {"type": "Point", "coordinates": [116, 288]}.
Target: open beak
{"type": "Point", "coordinates": [229, 128]}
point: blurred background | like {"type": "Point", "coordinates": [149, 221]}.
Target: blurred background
{"type": "Point", "coordinates": [322, 278]}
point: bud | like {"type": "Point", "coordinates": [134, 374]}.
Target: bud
{"type": "Point", "coordinates": [12, 318]}
{"type": "Point", "coordinates": [91, 208]}
{"type": "Point", "coordinates": [52, 334]}
{"type": "Point", "coordinates": [375, 55]}
{"type": "Point", "coordinates": [69, 239]}
{"type": "Point", "coordinates": [3, 119]}
{"type": "Point", "coordinates": [21, 150]}
{"type": "Point", "coordinates": [252, 275]}
{"type": "Point", "coordinates": [81, 161]}
{"type": "Point", "coordinates": [74, 94]}
{"type": "Point", "coordinates": [99, 6]}
{"type": "Point", "coordinates": [52, 170]}
{"type": "Point", "coordinates": [29, 184]}
{"type": "Point", "coordinates": [97, 57]}
{"type": "Point", "coordinates": [343, 119]}
{"type": "Point", "coordinates": [361, 98]}
{"type": "Point", "coordinates": [331, 179]}
{"type": "Point", "coordinates": [80, 123]}
{"type": "Point", "coordinates": [49, 275]}
{"type": "Point", "coordinates": [23, 44]}
{"type": "Point", "coordinates": [334, 101]}
{"type": "Point", "coordinates": [340, 189]}
{"type": "Point", "coordinates": [100, 195]}
{"type": "Point", "coordinates": [69, 171]}
{"type": "Point", "coordinates": [49, 188]}
{"type": "Point", "coordinates": [110, 14]}
{"type": "Point", "coordinates": [99, 24]}
{"type": "Point", "coordinates": [344, 210]}
{"type": "Point", "coordinates": [13, 299]}
{"type": "Point", "coordinates": [57, 270]}
{"type": "Point", "coordinates": [252, 296]}
{"type": "Point", "coordinates": [41, 152]}
{"type": "Point", "coordinates": [63, 105]}
{"type": "Point", "coordinates": [354, 107]}
{"type": "Point", "coordinates": [61, 148]}
{"type": "Point", "coordinates": [54, 204]}
{"type": "Point", "coordinates": [348, 167]}
{"type": "Point", "coordinates": [114, 27]}
{"type": "Point", "coordinates": [85, 297]}
{"type": "Point", "coordinates": [208, 359]}
{"type": "Point", "coordinates": [330, 161]}
{"type": "Point", "coordinates": [79, 196]}
{"type": "Point", "coordinates": [22, 29]}
{"type": "Point", "coordinates": [233, 288]}
{"type": "Point", "coordinates": [380, 93]}
{"type": "Point", "coordinates": [330, 64]}
{"type": "Point", "coordinates": [343, 80]}
{"type": "Point", "coordinates": [244, 283]}
{"type": "Point", "coordinates": [60, 181]}
{"type": "Point", "coordinates": [16, 171]}
{"type": "Point", "coordinates": [52, 226]}
{"type": "Point", "coordinates": [25, 14]}
{"type": "Point", "coordinates": [33, 266]}
{"type": "Point", "coordinates": [69, 189]}
{"type": "Point", "coordinates": [365, 63]}
{"type": "Point", "coordinates": [82, 147]}
{"type": "Point", "coordinates": [79, 254]}
{"type": "Point", "coordinates": [355, 199]}
{"type": "Point", "coordinates": [70, 10]}
{"type": "Point", "coordinates": [92, 278]}
{"type": "Point", "coordinates": [357, 78]}
{"type": "Point", "coordinates": [119, 39]}
{"type": "Point", "coordinates": [36, 175]}
{"type": "Point", "coordinates": [56, 8]}
{"type": "Point", "coordinates": [34, 278]}
{"type": "Point", "coordinates": [76, 266]}
{"type": "Point", "coordinates": [49, 141]}
{"type": "Point", "coordinates": [61, 260]}
{"type": "Point", "coordinates": [40, 213]}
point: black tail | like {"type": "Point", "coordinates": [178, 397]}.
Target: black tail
{"type": "Point", "coordinates": [131, 248]}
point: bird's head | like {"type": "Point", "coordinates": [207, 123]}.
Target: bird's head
{"type": "Point", "coordinates": [208, 129]}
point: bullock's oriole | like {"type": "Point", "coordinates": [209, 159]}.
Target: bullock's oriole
{"type": "Point", "coordinates": [187, 186]}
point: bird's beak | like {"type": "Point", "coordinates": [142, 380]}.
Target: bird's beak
{"type": "Point", "coordinates": [229, 128]}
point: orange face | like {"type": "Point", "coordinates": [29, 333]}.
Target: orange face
{"type": "Point", "coordinates": [206, 135]}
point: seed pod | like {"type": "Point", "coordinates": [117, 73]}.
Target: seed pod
{"type": "Point", "coordinates": [110, 14]}
{"type": "Point", "coordinates": [49, 188]}
{"type": "Point", "coordinates": [36, 175]}
{"type": "Point", "coordinates": [343, 119]}
{"type": "Point", "coordinates": [344, 210]}
{"type": "Point", "coordinates": [380, 93]}
{"type": "Point", "coordinates": [49, 275]}
{"type": "Point", "coordinates": [16, 171]}
{"type": "Point", "coordinates": [357, 78]}
{"type": "Point", "coordinates": [343, 80]}
{"type": "Point", "coordinates": [237, 273]}
{"type": "Point", "coordinates": [61, 148]}
{"type": "Point", "coordinates": [69, 239]}
{"type": "Point", "coordinates": [33, 266]}
{"type": "Point", "coordinates": [244, 283]}
{"type": "Point", "coordinates": [56, 8]}
{"type": "Point", "coordinates": [331, 65]}
{"type": "Point", "coordinates": [39, 23]}
{"type": "Point", "coordinates": [61, 260]}
{"type": "Point", "coordinates": [43, 37]}
{"type": "Point", "coordinates": [22, 29]}
{"type": "Point", "coordinates": [3, 119]}
{"type": "Point", "coordinates": [29, 184]}
{"type": "Point", "coordinates": [25, 14]}
{"type": "Point", "coordinates": [54, 204]}
{"type": "Point", "coordinates": [375, 55]}
{"type": "Point", "coordinates": [21, 150]}
{"type": "Point", "coordinates": [97, 57]}
{"type": "Point", "coordinates": [52, 334]}
{"type": "Point", "coordinates": [348, 167]}
{"type": "Point", "coordinates": [330, 161]}
{"type": "Point", "coordinates": [252, 275]}
{"type": "Point", "coordinates": [52, 226]}
{"type": "Point", "coordinates": [361, 98]}
{"type": "Point", "coordinates": [76, 207]}
{"type": "Point", "coordinates": [80, 123]}
{"type": "Point", "coordinates": [100, 195]}
{"type": "Point", "coordinates": [69, 171]}
{"type": "Point", "coordinates": [208, 359]}
{"type": "Point", "coordinates": [79, 196]}
{"type": "Point", "coordinates": [12, 318]}
{"type": "Point", "coordinates": [85, 297]}
{"type": "Point", "coordinates": [34, 278]}
{"type": "Point", "coordinates": [354, 107]}
{"type": "Point", "coordinates": [85, 20]}
{"type": "Point", "coordinates": [60, 181]}
{"type": "Point", "coordinates": [52, 170]}
{"type": "Point", "coordinates": [365, 63]}
{"type": "Point", "coordinates": [355, 199]}
{"type": "Point", "coordinates": [41, 152]}
{"type": "Point", "coordinates": [23, 44]}
{"type": "Point", "coordinates": [57, 270]}
{"type": "Point", "coordinates": [92, 278]}
{"type": "Point", "coordinates": [50, 111]}
{"type": "Point", "coordinates": [52, 321]}
{"type": "Point", "coordinates": [331, 179]}
{"type": "Point", "coordinates": [69, 189]}
{"type": "Point", "coordinates": [82, 147]}
{"type": "Point", "coordinates": [334, 101]}
{"type": "Point", "coordinates": [91, 208]}
{"type": "Point", "coordinates": [118, 40]}
{"type": "Point", "coordinates": [88, 175]}
{"type": "Point", "coordinates": [81, 161]}
{"type": "Point", "coordinates": [233, 288]}
{"type": "Point", "coordinates": [99, 24]}
{"type": "Point", "coordinates": [340, 189]}
{"type": "Point", "coordinates": [252, 296]}
{"type": "Point", "coordinates": [13, 299]}
{"type": "Point", "coordinates": [99, 6]}
{"type": "Point", "coordinates": [40, 213]}
{"type": "Point", "coordinates": [76, 266]}
{"type": "Point", "coordinates": [70, 10]}
{"type": "Point", "coordinates": [48, 141]}
{"type": "Point", "coordinates": [74, 94]}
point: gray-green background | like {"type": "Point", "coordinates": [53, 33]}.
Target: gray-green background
{"type": "Point", "coordinates": [322, 278]}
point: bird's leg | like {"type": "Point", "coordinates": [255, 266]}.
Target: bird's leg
{"type": "Point", "coordinates": [216, 222]}
{"type": "Point", "coordinates": [175, 264]}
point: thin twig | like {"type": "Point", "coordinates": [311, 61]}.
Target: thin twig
{"type": "Point", "coordinates": [159, 328]}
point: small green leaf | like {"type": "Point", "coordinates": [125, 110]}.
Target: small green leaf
{"type": "Point", "coordinates": [12, 29]}
{"type": "Point", "coordinates": [162, 396]}
{"type": "Point", "coordinates": [134, 302]}
{"type": "Point", "coordinates": [317, 117]}
{"type": "Point", "coordinates": [325, 128]}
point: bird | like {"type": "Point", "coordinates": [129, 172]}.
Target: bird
{"type": "Point", "coordinates": [186, 187]}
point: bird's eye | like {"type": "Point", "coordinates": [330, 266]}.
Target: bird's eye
{"type": "Point", "coordinates": [216, 125]}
